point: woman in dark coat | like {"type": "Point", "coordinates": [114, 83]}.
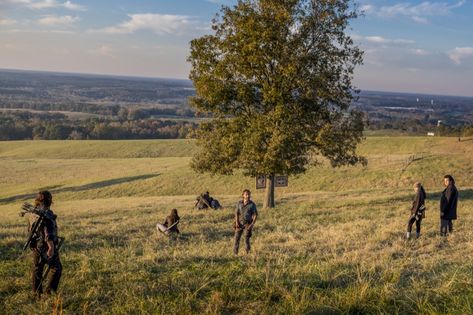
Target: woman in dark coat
{"type": "Point", "coordinates": [417, 210]}
{"type": "Point", "coordinates": [448, 205]}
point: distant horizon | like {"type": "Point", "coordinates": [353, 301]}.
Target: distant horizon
{"type": "Point", "coordinates": [188, 80]}
{"type": "Point", "coordinates": [410, 46]}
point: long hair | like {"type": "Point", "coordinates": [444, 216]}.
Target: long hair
{"type": "Point", "coordinates": [174, 216]}
{"type": "Point", "coordinates": [45, 198]}
{"type": "Point", "coordinates": [421, 188]}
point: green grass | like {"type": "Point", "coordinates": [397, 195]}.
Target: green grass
{"type": "Point", "coordinates": [333, 244]}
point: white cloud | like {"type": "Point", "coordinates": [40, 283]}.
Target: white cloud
{"type": "Point", "coordinates": [104, 51]}
{"type": "Point", "coordinates": [157, 23]}
{"type": "Point", "coordinates": [418, 13]}
{"type": "Point", "coordinates": [44, 4]}
{"type": "Point", "coordinates": [382, 40]}
{"type": "Point", "coordinates": [367, 9]}
{"type": "Point", "coordinates": [72, 6]}
{"type": "Point", "coordinates": [53, 20]}
{"type": "Point", "coordinates": [7, 22]}
{"type": "Point", "coordinates": [419, 52]}
{"type": "Point", "coordinates": [460, 53]}
{"type": "Point", "coordinates": [420, 20]}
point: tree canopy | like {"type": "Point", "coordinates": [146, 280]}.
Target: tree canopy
{"type": "Point", "coordinates": [275, 76]}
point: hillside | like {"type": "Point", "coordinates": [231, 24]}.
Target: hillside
{"type": "Point", "coordinates": [333, 244]}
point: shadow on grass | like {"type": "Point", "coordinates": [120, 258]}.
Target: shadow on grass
{"type": "Point", "coordinates": [95, 241]}
{"type": "Point", "coordinates": [463, 194]}
{"type": "Point", "coordinates": [12, 250]}
{"type": "Point", "coordinates": [90, 186]}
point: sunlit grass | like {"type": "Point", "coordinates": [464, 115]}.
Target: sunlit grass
{"type": "Point", "coordinates": [333, 244]}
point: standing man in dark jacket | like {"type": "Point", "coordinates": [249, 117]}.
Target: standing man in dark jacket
{"type": "Point", "coordinates": [448, 205]}
{"type": "Point", "coordinates": [245, 218]}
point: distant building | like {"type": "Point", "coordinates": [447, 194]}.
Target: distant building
{"type": "Point", "coordinates": [430, 134]}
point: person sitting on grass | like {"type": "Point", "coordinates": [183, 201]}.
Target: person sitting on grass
{"type": "Point", "coordinates": [417, 210]}
{"type": "Point", "coordinates": [170, 224]}
{"type": "Point", "coordinates": [203, 201]}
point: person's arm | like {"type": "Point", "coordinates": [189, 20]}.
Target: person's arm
{"type": "Point", "coordinates": [444, 202]}
{"type": "Point", "coordinates": [49, 237]}
{"type": "Point", "coordinates": [237, 216]}
{"type": "Point", "coordinates": [254, 217]}
{"type": "Point", "coordinates": [449, 194]}
{"type": "Point", "coordinates": [416, 203]}
{"type": "Point", "coordinates": [50, 252]}
{"type": "Point", "coordinates": [254, 220]}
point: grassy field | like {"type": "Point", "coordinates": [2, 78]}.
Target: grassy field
{"type": "Point", "coordinates": [333, 244]}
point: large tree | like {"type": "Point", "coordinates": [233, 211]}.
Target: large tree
{"type": "Point", "coordinates": [275, 77]}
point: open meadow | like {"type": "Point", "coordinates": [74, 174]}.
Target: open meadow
{"type": "Point", "coordinates": [334, 244]}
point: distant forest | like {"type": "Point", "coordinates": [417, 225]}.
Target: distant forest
{"type": "Point", "coordinates": [25, 125]}
{"type": "Point", "coordinates": [43, 105]}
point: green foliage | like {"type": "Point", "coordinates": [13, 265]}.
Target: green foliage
{"type": "Point", "coordinates": [276, 76]}
{"type": "Point", "coordinates": [17, 125]}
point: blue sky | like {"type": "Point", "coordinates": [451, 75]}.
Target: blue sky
{"type": "Point", "coordinates": [410, 46]}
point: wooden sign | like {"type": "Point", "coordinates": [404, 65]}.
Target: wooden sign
{"type": "Point", "coordinates": [260, 181]}
{"type": "Point", "coordinates": [281, 181]}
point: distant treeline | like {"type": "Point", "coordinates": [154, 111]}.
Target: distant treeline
{"type": "Point", "coordinates": [131, 113]}
{"type": "Point", "coordinates": [421, 127]}
{"type": "Point", "coordinates": [107, 110]}
{"type": "Point", "coordinates": [27, 125]}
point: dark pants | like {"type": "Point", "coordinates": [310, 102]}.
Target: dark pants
{"type": "Point", "coordinates": [238, 233]}
{"type": "Point", "coordinates": [54, 275]}
{"type": "Point", "coordinates": [411, 221]}
{"type": "Point", "coordinates": [446, 226]}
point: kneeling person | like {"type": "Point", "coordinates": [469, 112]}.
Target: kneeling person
{"type": "Point", "coordinates": [245, 218]}
{"type": "Point", "coordinates": [170, 224]}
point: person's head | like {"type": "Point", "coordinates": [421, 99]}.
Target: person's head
{"type": "Point", "coordinates": [417, 186]}
{"type": "Point", "coordinates": [447, 180]}
{"type": "Point", "coordinates": [174, 212]}
{"type": "Point", "coordinates": [44, 199]}
{"type": "Point", "coordinates": [246, 194]}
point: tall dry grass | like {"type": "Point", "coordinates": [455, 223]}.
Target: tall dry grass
{"type": "Point", "coordinates": [335, 247]}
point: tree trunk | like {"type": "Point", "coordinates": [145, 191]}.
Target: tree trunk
{"type": "Point", "coordinates": [269, 195]}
